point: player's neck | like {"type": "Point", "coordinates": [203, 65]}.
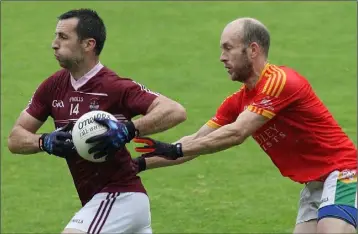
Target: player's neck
{"type": "Point", "coordinates": [257, 70]}
{"type": "Point", "coordinates": [83, 68]}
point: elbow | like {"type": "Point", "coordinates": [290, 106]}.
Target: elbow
{"type": "Point", "coordinates": [11, 145]}
{"type": "Point", "coordinates": [179, 113]}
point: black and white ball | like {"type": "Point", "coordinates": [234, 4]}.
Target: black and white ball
{"type": "Point", "coordinates": [84, 128]}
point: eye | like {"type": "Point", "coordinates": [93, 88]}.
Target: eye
{"type": "Point", "coordinates": [63, 36]}
{"type": "Point", "coordinates": [227, 47]}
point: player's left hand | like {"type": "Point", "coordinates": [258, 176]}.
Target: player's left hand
{"type": "Point", "coordinates": [118, 134]}
{"type": "Point", "coordinates": [158, 148]}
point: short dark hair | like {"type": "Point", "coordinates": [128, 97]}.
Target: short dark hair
{"type": "Point", "coordinates": [90, 25]}
{"type": "Point", "coordinates": [256, 32]}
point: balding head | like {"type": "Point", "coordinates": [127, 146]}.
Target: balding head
{"type": "Point", "coordinates": [248, 30]}
{"type": "Point", "coordinates": [244, 46]}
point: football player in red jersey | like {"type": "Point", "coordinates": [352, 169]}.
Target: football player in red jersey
{"type": "Point", "coordinates": [113, 197]}
{"type": "Point", "coordinates": [279, 109]}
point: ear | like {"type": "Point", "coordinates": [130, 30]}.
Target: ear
{"type": "Point", "coordinates": [89, 44]}
{"type": "Point", "coordinates": [255, 49]}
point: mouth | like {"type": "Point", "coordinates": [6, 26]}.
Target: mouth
{"type": "Point", "coordinates": [229, 69]}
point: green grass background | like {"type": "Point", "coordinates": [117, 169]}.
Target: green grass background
{"type": "Point", "coordinates": [173, 48]}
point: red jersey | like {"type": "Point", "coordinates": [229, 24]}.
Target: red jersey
{"type": "Point", "coordinates": [302, 138]}
{"type": "Point", "coordinates": [65, 99]}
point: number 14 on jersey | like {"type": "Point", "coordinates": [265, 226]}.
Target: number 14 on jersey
{"type": "Point", "coordinates": [74, 109]}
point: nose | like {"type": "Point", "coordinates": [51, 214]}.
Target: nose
{"type": "Point", "coordinates": [223, 57]}
{"type": "Point", "coordinates": [54, 45]}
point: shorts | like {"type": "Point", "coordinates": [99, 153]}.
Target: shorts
{"type": "Point", "coordinates": [114, 213]}
{"type": "Point", "coordinates": [335, 197]}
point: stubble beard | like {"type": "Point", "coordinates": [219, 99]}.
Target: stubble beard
{"type": "Point", "coordinates": [244, 71]}
{"type": "Point", "coordinates": [71, 64]}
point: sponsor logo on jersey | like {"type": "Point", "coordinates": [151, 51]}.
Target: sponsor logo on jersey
{"type": "Point", "coordinates": [269, 136]}
{"type": "Point", "coordinates": [76, 99]}
{"type": "Point", "coordinates": [58, 104]}
{"type": "Point", "coordinates": [265, 103]}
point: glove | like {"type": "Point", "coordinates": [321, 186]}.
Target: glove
{"type": "Point", "coordinates": [157, 148]}
{"type": "Point", "coordinates": [58, 142]}
{"type": "Point", "coordinates": [114, 139]}
{"type": "Point", "coordinates": [139, 164]}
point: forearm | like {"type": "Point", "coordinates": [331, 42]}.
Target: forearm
{"type": "Point", "coordinates": [22, 141]}
{"type": "Point", "coordinates": [159, 119]}
{"type": "Point", "coordinates": [216, 141]}
{"type": "Point", "coordinates": [186, 138]}
{"type": "Point", "coordinates": [157, 162]}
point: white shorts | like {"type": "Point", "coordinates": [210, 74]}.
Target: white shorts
{"type": "Point", "coordinates": [114, 213]}
{"type": "Point", "coordinates": [340, 188]}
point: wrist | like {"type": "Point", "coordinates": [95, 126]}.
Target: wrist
{"type": "Point", "coordinates": [142, 165]}
{"type": "Point", "coordinates": [132, 131]}
{"type": "Point", "coordinates": [41, 141]}
{"type": "Point", "coordinates": [178, 150]}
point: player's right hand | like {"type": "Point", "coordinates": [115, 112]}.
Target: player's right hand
{"type": "Point", "coordinates": [58, 142]}
{"type": "Point", "coordinates": [158, 148]}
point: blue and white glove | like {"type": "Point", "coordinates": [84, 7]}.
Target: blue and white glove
{"type": "Point", "coordinates": [58, 142]}
{"type": "Point", "coordinates": [108, 143]}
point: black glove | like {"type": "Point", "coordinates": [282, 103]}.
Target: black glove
{"type": "Point", "coordinates": [157, 148]}
{"type": "Point", "coordinates": [118, 134]}
{"type": "Point", "coordinates": [58, 142]}
{"type": "Point", "coordinates": [139, 164]}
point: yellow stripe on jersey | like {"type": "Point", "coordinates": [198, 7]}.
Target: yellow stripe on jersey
{"type": "Point", "coordinates": [275, 84]}
{"type": "Point", "coordinates": [268, 114]}
{"type": "Point", "coordinates": [283, 81]}
{"type": "Point", "coordinates": [273, 81]}
{"type": "Point", "coordinates": [212, 124]}
{"type": "Point", "coordinates": [266, 84]}
{"type": "Point", "coordinates": [261, 111]}
{"type": "Point", "coordinates": [252, 108]}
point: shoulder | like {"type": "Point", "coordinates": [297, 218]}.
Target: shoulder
{"type": "Point", "coordinates": [236, 96]}
{"type": "Point", "coordinates": [110, 78]}
{"type": "Point", "coordinates": [55, 80]}
{"type": "Point", "coordinates": [112, 81]}
{"type": "Point", "coordinates": [231, 102]}
{"type": "Point", "coordinates": [280, 80]}
{"type": "Point", "coordinates": [58, 75]}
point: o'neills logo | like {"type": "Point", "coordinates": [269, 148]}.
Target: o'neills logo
{"type": "Point", "coordinates": [86, 122]}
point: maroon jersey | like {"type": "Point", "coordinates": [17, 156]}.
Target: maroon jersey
{"type": "Point", "coordinates": [65, 99]}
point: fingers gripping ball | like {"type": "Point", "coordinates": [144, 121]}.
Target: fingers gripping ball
{"type": "Point", "coordinates": [85, 128]}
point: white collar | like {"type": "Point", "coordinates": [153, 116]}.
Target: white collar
{"type": "Point", "coordinates": [76, 84]}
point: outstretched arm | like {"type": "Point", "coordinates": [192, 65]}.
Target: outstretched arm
{"type": "Point", "coordinates": [226, 137]}
{"type": "Point", "coordinates": [223, 138]}
{"type": "Point", "coordinates": [156, 161]}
